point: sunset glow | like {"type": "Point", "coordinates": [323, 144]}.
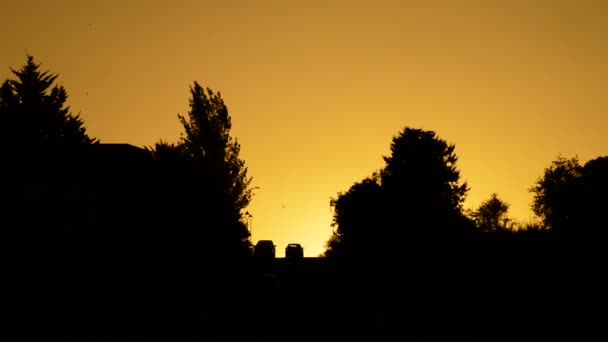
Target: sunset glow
{"type": "Point", "coordinates": [317, 89]}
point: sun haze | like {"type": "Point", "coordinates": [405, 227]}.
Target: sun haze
{"type": "Point", "coordinates": [317, 89]}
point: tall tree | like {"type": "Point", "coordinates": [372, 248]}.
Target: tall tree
{"type": "Point", "coordinates": [37, 133]}
{"type": "Point", "coordinates": [222, 174]}
{"type": "Point", "coordinates": [33, 111]}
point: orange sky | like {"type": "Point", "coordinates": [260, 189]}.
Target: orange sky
{"type": "Point", "coordinates": [317, 89]}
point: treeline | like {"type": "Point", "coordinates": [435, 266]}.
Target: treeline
{"type": "Point", "coordinates": [116, 242]}
{"type": "Point", "coordinates": [111, 240]}
{"type": "Point", "coordinates": [417, 198]}
{"type": "Point", "coordinates": [406, 248]}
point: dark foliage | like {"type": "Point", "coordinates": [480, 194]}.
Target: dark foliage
{"type": "Point", "coordinates": [556, 193]}
{"type": "Point", "coordinates": [33, 113]}
{"type": "Point", "coordinates": [408, 253]}
{"type": "Point", "coordinates": [113, 242]}
{"type": "Point", "coordinates": [208, 142]}
{"type": "Point", "coordinates": [206, 166]}
{"type": "Point", "coordinates": [492, 215]}
{"type": "Point", "coordinates": [421, 173]}
{"type": "Point", "coordinates": [357, 214]}
{"type": "Point", "coordinates": [595, 196]}
{"type": "Point", "coordinates": [415, 198]}
{"type": "Point", "coordinates": [571, 199]}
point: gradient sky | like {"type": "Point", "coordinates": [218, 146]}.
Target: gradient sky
{"type": "Point", "coordinates": [317, 89]}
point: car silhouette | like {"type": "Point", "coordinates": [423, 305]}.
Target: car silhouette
{"type": "Point", "coordinates": [264, 249]}
{"type": "Point", "coordinates": [294, 251]}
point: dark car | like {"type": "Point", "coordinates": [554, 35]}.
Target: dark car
{"type": "Point", "coordinates": [294, 251]}
{"type": "Point", "coordinates": [264, 249]}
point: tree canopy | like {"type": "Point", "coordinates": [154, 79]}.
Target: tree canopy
{"type": "Point", "coordinates": [206, 165]}
{"type": "Point", "coordinates": [556, 193]}
{"type": "Point", "coordinates": [492, 215]}
{"type": "Point", "coordinates": [208, 142]}
{"type": "Point", "coordinates": [572, 199]}
{"type": "Point", "coordinates": [33, 111]}
{"type": "Point", "coordinates": [357, 214]}
{"type": "Point", "coordinates": [421, 176]}
{"type": "Point", "coordinates": [416, 195]}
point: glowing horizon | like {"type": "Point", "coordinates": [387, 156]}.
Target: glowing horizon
{"type": "Point", "coordinates": [316, 91]}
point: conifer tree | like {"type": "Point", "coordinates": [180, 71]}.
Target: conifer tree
{"type": "Point", "coordinates": [34, 114]}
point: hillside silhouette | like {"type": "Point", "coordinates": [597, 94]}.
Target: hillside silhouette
{"type": "Point", "coordinates": [117, 242]}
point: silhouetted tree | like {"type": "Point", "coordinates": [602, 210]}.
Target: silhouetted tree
{"type": "Point", "coordinates": [422, 169]}
{"type": "Point", "coordinates": [491, 215]}
{"type": "Point", "coordinates": [212, 177]}
{"type": "Point", "coordinates": [422, 183]}
{"type": "Point", "coordinates": [557, 194]}
{"type": "Point", "coordinates": [595, 196]}
{"type": "Point", "coordinates": [171, 158]}
{"type": "Point", "coordinates": [571, 198]}
{"type": "Point", "coordinates": [416, 196]}
{"type": "Point", "coordinates": [47, 208]}
{"type": "Point", "coordinates": [39, 140]}
{"type": "Point", "coordinates": [207, 141]}
{"type": "Point", "coordinates": [33, 111]}
{"type": "Point", "coordinates": [357, 214]}
{"type": "Point", "coordinates": [166, 151]}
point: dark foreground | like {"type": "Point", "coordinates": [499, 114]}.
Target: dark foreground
{"type": "Point", "coordinates": [495, 294]}
{"type": "Point", "coordinates": [462, 297]}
